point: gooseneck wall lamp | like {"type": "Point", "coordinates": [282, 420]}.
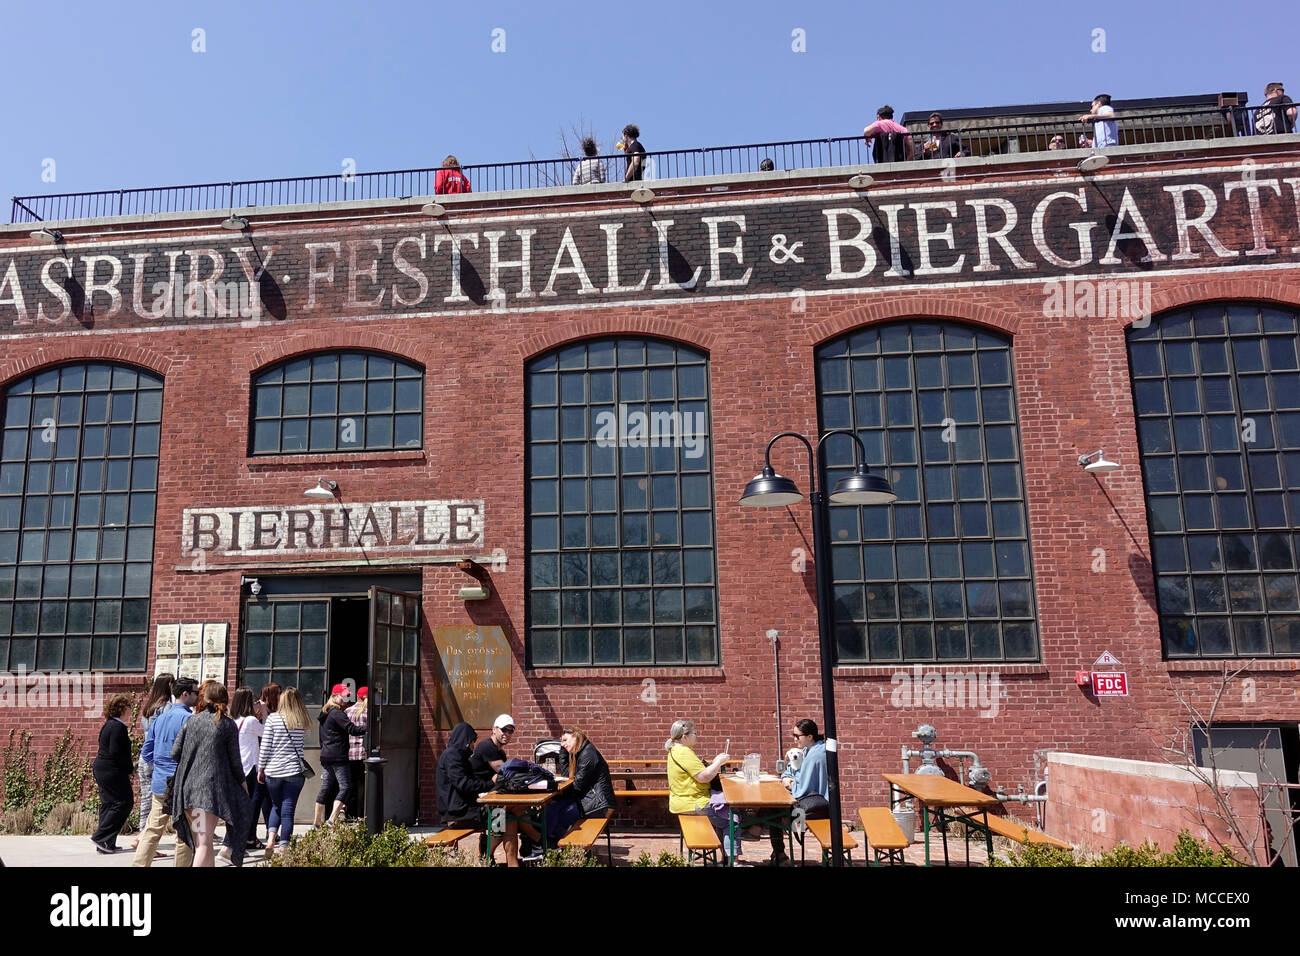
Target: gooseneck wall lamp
{"type": "Point", "coordinates": [770, 490]}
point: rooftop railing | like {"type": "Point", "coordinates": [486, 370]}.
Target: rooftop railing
{"type": "Point", "coordinates": [976, 140]}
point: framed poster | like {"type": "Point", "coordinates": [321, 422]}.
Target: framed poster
{"type": "Point", "coordinates": [214, 638]}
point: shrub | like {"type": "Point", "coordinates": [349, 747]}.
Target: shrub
{"type": "Point", "coordinates": [1187, 851]}
{"type": "Point", "coordinates": [568, 856]}
{"type": "Point", "coordinates": [59, 818]}
{"type": "Point", "coordinates": [348, 844]}
{"type": "Point", "coordinates": [20, 783]}
{"type": "Point", "coordinates": [63, 777]}
{"type": "Point", "coordinates": [665, 858]}
{"type": "Point", "coordinates": [83, 822]}
{"type": "Point", "coordinates": [20, 820]}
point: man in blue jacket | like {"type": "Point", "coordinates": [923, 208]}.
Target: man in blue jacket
{"type": "Point", "coordinates": [157, 750]}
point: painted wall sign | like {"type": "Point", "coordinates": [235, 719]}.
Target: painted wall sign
{"type": "Point", "coordinates": [474, 680]}
{"type": "Point", "coordinates": [1045, 228]}
{"type": "Point", "coordinates": [314, 529]}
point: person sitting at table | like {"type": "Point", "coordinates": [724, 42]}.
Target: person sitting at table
{"type": "Point", "coordinates": [592, 791]}
{"type": "Point", "coordinates": [488, 758]}
{"type": "Point", "coordinates": [808, 784]}
{"type": "Point", "coordinates": [458, 787]}
{"type": "Point", "coordinates": [689, 781]}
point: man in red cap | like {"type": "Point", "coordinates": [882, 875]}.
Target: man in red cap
{"type": "Point", "coordinates": [359, 714]}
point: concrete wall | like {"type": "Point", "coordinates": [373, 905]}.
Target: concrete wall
{"type": "Point", "coordinates": [1099, 802]}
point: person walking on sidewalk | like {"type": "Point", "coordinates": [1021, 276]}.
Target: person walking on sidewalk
{"type": "Point", "coordinates": [157, 751]}
{"type": "Point", "coordinates": [113, 769]}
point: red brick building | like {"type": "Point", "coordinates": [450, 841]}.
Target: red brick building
{"type": "Point", "coordinates": [973, 321]}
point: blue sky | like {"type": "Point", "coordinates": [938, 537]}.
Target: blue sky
{"type": "Point", "coordinates": [116, 96]}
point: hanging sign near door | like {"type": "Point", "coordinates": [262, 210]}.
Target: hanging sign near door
{"type": "Point", "coordinates": [474, 676]}
{"type": "Point", "coordinates": [315, 529]}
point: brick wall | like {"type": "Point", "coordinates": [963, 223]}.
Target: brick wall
{"type": "Point", "coordinates": [1072, 388]}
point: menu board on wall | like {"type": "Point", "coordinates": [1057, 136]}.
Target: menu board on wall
{"type": "Point", "coordinates": [194, 650]}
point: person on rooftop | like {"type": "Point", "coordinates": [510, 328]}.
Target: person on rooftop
{"type": "Point", "coordinates": [1273, 116]}
{"type": "Point", "coordinates": [630, 144]}
{"type": "Point", "coordinates": [941, 143]}
{"type": "Point", "coordinates": [1056, 142]}
{"type": "Point", "coordinates": [889, 142]}
{"type": "Point", "coordinates": [590, 170]}
{"type": "Point", "coordinates": [1105, 131]}
{"type": "Point", "coordinates": [450, 179]}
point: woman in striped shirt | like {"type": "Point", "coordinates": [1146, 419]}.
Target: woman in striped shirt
{"type": "Point", "coordinates": [279, 764]}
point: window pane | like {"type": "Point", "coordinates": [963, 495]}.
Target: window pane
{"type": "Point", "coordinates": [1207, 504]}
{"type": "Point", "coordinates": [967, 417]}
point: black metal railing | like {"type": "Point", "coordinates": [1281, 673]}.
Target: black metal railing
{"type": "Point", "coordinates": [977, 140]}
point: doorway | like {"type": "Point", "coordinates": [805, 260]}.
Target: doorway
{"type": "Point", "coordinates": [1272, 753]}
{"type": "Point", "coordinates": [312, 632]}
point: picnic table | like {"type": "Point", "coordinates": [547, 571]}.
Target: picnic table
{"type": "Point", "coordinates": [521, 806]}
{"type": "Point", "coordinates": [768, 800]}
{"type": "Point", "coordinates": [941, 795]}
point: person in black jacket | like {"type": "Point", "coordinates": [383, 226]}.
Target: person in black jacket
{"type": "Point", "coordinates": [592, 786]}
{"type": "Point", "coordinates": [457, 785]}
{"type": "Point", "coordinates": [336, 773]}
{"type": "Point", "coordinates": [112, 769]}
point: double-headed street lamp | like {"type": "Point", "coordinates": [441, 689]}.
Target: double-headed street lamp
{"type": "Point", "coordinates": [770, 490]}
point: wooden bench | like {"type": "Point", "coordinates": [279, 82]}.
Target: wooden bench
{"type": "Point", "coordinates": [586, 833]}
{"type": "Point", "coordinates": [448, 838]}
{"type": "Point", "coordinates": [821, 831]}
{"type": "Point", "coordinates": [883, 834]}
{"type": "Point", "coordinates": [1021, 833]}
{"type": "Point", "coordinates": [698, 838]}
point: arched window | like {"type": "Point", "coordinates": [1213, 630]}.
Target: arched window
{"type": "Point", "coordinates": [620, 506]}
{"type": "Point", "coordinates": [78, 488]}
{"type": "Point", "coordinates": [1217, 394]}
{"type": "Point", "coordinates": [943, 574]}
{"type": "Point", "coordinates": [335, 402]}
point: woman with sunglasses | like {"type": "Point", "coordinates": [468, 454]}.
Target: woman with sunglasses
{"type": "Point", "coordinates": [807, 783]}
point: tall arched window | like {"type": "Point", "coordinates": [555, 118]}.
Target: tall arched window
{"type": "Point", "coordinates": [1217, 394]}
{"type": "Point", "coordinates": [943, 574]}
{"type": "Point", "coordinates": [620, 504]}
{"type": "Point", "coordinates": [337, 401]}
{"type": "Point", "coordinates": [78, 488]}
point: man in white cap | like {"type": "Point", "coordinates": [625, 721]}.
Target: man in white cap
{"type": "Point", "coordinates": [486, 761]}
{"type": "Point", "coordinates": [490, 754]}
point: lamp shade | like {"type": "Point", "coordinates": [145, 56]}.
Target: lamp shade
{"type": "Point", "coordinates": [770, 490]}
{"type": "Point", "coordinates": [863, 488]}
{"type": "Point", "coordinates": [1101, 466]}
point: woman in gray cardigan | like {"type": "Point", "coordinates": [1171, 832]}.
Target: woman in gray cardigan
{"type": "Point", "coordinates": [209, 782]}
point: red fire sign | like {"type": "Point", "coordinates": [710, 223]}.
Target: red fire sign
{"type": "Point", "coordinates": [1109, 684]}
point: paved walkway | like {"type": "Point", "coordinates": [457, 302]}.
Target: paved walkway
{"type": "Point", "coordinates": [78, 851]}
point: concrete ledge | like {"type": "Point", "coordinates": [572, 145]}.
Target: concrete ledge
{"type": "Point", "coordinates": [1150, 769]}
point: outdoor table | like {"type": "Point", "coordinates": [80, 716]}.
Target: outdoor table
{"type": "Point", "coordinates": [519, 806]}
{"type": "Point", "coordinates": [941, 794]}
{"type": "Point", "coordinates": [770, 801]}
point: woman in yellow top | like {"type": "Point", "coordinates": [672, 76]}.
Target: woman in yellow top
{"type": "Point", "coordinates": [688, 780]}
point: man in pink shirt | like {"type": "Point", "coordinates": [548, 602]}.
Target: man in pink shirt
{"type": "Point", "coordinates": [895, 142]}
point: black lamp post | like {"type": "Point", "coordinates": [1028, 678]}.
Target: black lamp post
{"type": "Point", "coordinates": [770, 490]}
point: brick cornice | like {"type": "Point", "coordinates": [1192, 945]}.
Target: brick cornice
{"type": "Point", "coordinates": [72, 349]}
{"type": "Point", "coordinates": [920, 305]}
{"type": "Point", "coordinates": [340, 339]}
{"type": "Point", "coordinates": [614, 324]}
